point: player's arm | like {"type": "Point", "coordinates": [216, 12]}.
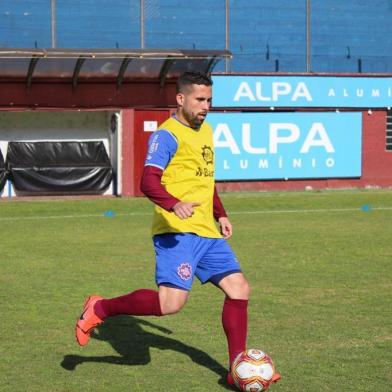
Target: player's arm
{"type": "Point", "coordinates": [161, 148]}
{"type": "Point", "coordinates": [152, 187]}
{"type": "Point", "coordinates": [221, 216]}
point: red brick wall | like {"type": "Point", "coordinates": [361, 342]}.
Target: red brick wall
{"type": "Point", "coordinates": [134, 146]}
{"type": "Point", "coordinates": [377, 162]}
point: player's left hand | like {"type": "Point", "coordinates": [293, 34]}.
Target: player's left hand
{"type": "Point", "coordinates": [226, 227]}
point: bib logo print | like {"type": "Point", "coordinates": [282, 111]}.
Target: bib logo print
{"type": "Point", "coordinates": [208, 155]}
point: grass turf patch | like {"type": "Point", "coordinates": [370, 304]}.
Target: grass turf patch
{"type": "Point", "coordinates": [318, 262]}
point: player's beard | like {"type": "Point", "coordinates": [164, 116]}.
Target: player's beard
{"type": "Point", "coordinates": [194, 120]}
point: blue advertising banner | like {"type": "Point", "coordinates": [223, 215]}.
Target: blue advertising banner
{"type": "Point", "coordinates": [251, 146]}
{"type": "Point", "coordinates": [302, 91]}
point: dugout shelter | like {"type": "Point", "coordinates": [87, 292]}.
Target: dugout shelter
{"type": "Point", "coordinates": [78, 121]}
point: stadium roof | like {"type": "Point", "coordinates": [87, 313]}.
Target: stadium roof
{"type": "Point", "coordinates": [118, 64]}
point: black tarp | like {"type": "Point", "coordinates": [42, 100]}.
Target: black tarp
{"type": "Point", "coordinates": [59, 167]}
{"type": "Point", "coordinates": [3, 172]}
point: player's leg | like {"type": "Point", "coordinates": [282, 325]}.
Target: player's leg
{"type": "Point", "coordinates": [235, 315]}
{"type": "Point", "coordinates": [235, 286]}
{"type": "Point", "coordinates": [220, 266]}
{"type": "Point", "coordinates": [142, 302]}
{"type": "Point", "coordinates": [235, 312]}
{"type": "Point", "coordinates": [173, 277]}
{"type": "Point", "coordinates": [171, 299]}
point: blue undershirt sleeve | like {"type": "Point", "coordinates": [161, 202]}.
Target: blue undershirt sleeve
{"type": "Point", "coordinates": [162, 145]}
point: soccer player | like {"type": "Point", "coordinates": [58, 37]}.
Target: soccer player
{"type": "Point", "coordinates": [179, 178]}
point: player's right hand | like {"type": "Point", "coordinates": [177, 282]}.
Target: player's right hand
{"type": "Point", "coordinates": [185, 209]}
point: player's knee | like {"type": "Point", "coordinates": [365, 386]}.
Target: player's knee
{"type": "Point", "coordinates": [243, 290]}
{"type": "Point", "coordinates": [237, 288]}
{"type": "Point", "coordinates": [171, 307]}
{"type": "Point", "coordinates": [171, 300]}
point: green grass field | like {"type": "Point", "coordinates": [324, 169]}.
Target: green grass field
{"type": "Point", "coordinates": [320, 267]}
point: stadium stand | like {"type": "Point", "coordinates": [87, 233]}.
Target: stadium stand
{"type": "Point", "coordinates": [264, 36]}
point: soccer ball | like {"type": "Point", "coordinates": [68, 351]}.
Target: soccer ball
{"type": "Point", "coordinates": [253, 371]}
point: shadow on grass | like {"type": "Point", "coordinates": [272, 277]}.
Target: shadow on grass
{"type": "Point", "coordinates": [132, 343]}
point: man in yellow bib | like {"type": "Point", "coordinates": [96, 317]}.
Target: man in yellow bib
{"type": "Point", "coordinates": [179, 178]}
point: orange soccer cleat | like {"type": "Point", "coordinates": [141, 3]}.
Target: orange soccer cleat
{"type": "Point", "coordinates": [276, 377]}
{"type": "Point", "coordinates": [87, 321]}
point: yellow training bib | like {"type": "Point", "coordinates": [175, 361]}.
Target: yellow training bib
{"type": "Point", "coordinates": [189, 176]}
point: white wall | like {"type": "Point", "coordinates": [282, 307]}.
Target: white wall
{"type": "Point", "coordinates": [58, 126]}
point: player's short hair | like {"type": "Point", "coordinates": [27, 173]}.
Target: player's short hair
{"type": "Point", "coordinates": [189, 78]}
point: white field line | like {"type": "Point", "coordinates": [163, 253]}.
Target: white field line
{"type": "Point", "coordinates": [42, 217]}
{"type": "Point", "coordinates": [308, 211]}
{"type": "Point", "coordinates": [359, 209]}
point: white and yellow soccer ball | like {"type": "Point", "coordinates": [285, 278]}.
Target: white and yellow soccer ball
{"type": "Point", "coordinates": [253, 371]}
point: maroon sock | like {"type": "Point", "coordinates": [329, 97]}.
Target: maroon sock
{"type": "Point", "coordinates": [235, 325]}
{"type": "Point", "coordinates": [143, 302]}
